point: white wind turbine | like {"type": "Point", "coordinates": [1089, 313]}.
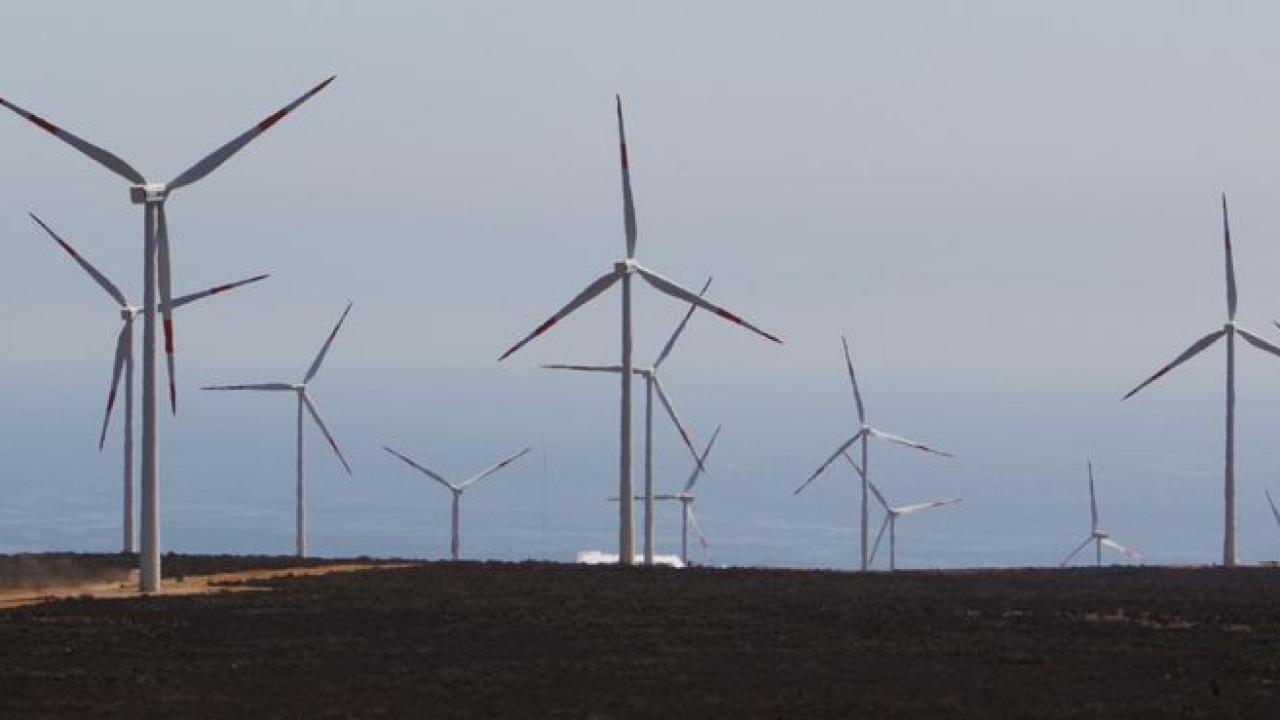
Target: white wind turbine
{"type": "Point", "coordinates": [865, 433]}
{"type": "Point", "coordinates": [652, 382]}
{"type": "Point", "coordinates": [1096, 536]}
{"type": "Point", "coordinates": [686, 497]}
{"type": "Point", "coordinates": [304, 401]}
{"type": "Point", "coordinates": [455, 543]}
{"type": "Point", "coordinates": [123, 364]}
{"type": "Point", "coordinates": [622, 271]}
{"type": "Point", "coordinates": [891, 515]}
{"type": "Point", "coordinates": [1229, 330]}
{"type": "Point", "coordinates": [156, 277]}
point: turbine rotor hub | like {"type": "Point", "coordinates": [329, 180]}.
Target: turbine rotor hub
{"type": "Point", "coordinates": [148, 194]}
{"type": "Point", "coordinates": [624, 267]}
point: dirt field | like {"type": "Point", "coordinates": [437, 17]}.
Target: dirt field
{"type": "Point", "coordinates": [549, 641]}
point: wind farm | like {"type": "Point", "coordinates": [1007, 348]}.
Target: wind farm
{"type": "Point", "coordinates": [999, 212]}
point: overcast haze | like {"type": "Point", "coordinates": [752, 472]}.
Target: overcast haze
{"type": "Point", "coordinates": [1011, 210]}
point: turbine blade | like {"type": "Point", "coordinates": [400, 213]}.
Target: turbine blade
{"type": "Point", "coordinates": [596, 287]}
{"type": "Point", "coordinates": [884, 525]}
{"type": "Point", "coordinates": [876, 491]}
{"type": "Point", "coordinates": [324, 349]}
{"type": "Point", "coordinates": [122, 353]}
{"type": "Point", "coordinates": [102, 157]}
{"type": "Point", "coordinates": [585, 368]}
{"type": "Point", "coordinates": [844, 446]}
{"type": "Point", "coordinates": [211, 161]}
{"type": "Point", "coordinates": [496, 467]}
{"type": "Point", "coordinates": [909, 509]}
{"type": "Point", "coordinates": [1121, 549]}
{"type": "Point", "coordinates": [1272, 503]}
{"type": "Point", "coordinates": [698, 533]}
{"type": "Point", "coordinates": [671, 342]}
{"type": "Point", "coordinates": [315, 415]}
{"type": "Point", "coordinates": [906, 442]}
{"type": "Point", "coordinates": [1196, 348]}
{"type": "Point", "coordinates": [1093, 502]}
{"type": "Point", "coordinates": [664, 285]}
{"type": "Point", "coordinates": [853, 380]}
{"type": "Point", "coordinates": [1076, 551]}
{"type": "Point", "coordinates": [271, 386]}
{"type": "Point", "coordinates": [1231, 265]}
{"type": "Point", "coordinates": [702, 461]}
{"type": "Point", "coordinates": [411, 463]}
{"type": "Point", "coordinates": [675, 418]}
{"type": "Point", "coordinates": [164, 284]}
{"type": "Point", "coordinates": [628, 202]}
{"type": "Point", "coordinates": [854, 465]}
{"type": "Point", "coordinates": [192, 297]}
{"type": "Point", "coordinates": [1258, 342]}
{"type": "Point", "coordinates": [98, 277]}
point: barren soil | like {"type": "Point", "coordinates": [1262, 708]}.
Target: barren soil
{"type": "Point", "coordinates": [544, 640]}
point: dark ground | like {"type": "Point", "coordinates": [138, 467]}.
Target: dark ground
{"type": "Point", "coordinates": [540, 640]}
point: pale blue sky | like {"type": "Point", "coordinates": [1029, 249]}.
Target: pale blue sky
{"type": "Point", "coordinates": [1003, 203]}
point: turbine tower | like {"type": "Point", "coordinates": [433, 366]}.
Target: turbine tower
{"type": "Point", "coordinates": [156, 277]}
{"type": "Point", "coordinates": [304, 401]}
{"type": "Point", "coordinates": [622, 271]}
{"type": "Point", "coordinates": [124, 364]}
{"type": "Point", "coordinates": [455, 543]}
{"type": "Point", "coordinates": [1229, 330]}
{"type": "Point", "coordinates": [1096, 536]}
{"type": "Point", "coordinates": [865, 433]}
{"type": "Point", "coordinates": [652, 383]}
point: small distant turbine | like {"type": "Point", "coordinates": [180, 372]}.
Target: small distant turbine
{"type": "Point", "coordinates": [304, 401]}
{"type": "Point", "coordinates": [124, 363]}
{"type": "Point", "coordinates": [865, 432]}
{"type": "Point", "coordinates": [1096, 536]}
{"type": "Point", "coordinates": [891, 515]}
{"type": "Point", "coordinates": [686, 497]}
{"type": "Point", "coordinates": [652, 382]}
{"type": "Point", "coordinates": [455, 545]}
{"type": "Point", "coordinates": [1229, 330]}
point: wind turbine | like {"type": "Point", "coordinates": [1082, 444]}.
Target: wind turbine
{"type": "Point", "coordinates": [455, 544]}
{"type": "Point", "coordinates": [865, 433]}
{"type": "Point", "coordinates": [1229, 330]}
{"type": "Point", "coordinates": [686, 498]}
{"type": "Point", "coordinates": [651, 383]}
{"type": "Point", "coordinates": [1096, 536]}
{"type": "Point", "coordinates": [304, 401]}
{"type": "Point", "coordinates": [891, 515]}
{"type": "Point", "coordinates": [622, 271]}
{"type": "Point", "coordinates": [124, 363]}
{"type": "Point", "coordinates": [156, 276]}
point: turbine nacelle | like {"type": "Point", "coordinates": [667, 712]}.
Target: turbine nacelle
{"type": "Point", "coordinates": [624, 267]}
{"type": "Point", "coordinates": [148, 194]}
{"type": "Point", "coordinates": [1100, 535]}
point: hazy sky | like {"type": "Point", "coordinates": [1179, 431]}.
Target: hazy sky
{"type": "Point", "coordinates": [1000, 202]}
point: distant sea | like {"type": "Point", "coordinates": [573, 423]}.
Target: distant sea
{"type": "Point", "coordinates": [1021, 446]}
